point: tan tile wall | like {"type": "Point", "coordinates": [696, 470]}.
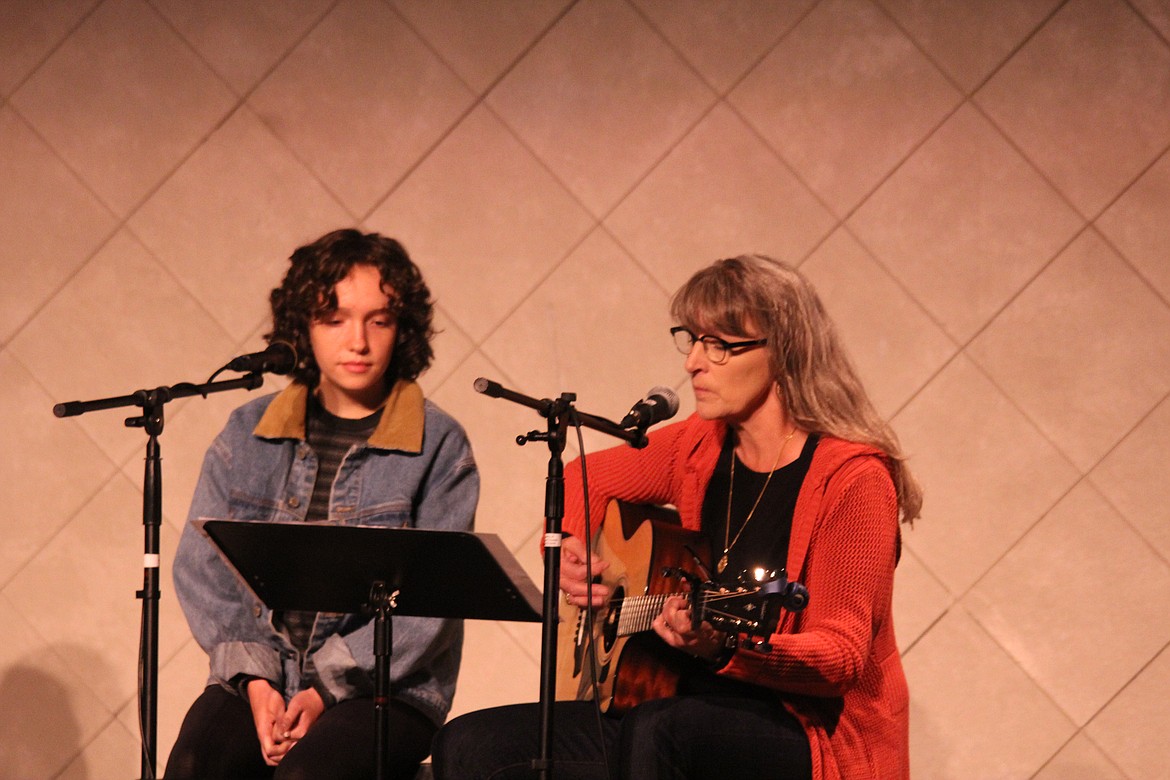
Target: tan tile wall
{"type": "Point", "coordinates": [980, 190]}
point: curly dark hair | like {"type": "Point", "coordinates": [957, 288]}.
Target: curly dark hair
{"type": "Point", "coordinates": [308, 291]}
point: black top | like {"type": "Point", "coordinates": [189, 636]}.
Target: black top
{"type": "Point", "coordinates": [764, 540]}
{"type": "Point", "coordinates": [763, 543]}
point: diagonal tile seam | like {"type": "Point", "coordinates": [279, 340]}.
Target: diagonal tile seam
{"type": "Point", "coordinates": [1148, 22]}
{"type": "Point", "coordinates": [993, 317]}
{"type": "Point", "coordinates": [1007, 137]}
{"type": "Point", "coordinates": [124, 223]}
{"type": "Point", "coordinates": [53, 50]}
{"type": "Point", "coordinates": [524, 52]}
{"type": "Point", "coordinates": [534, 284]}
{"type": "Point", "coordinates": [961, 346]}
{"type": "Point", "coordinates": [1105, 236]}
{"type": "Point", "coordinates": [1088, 223]}
{"type": "Point", "coordinates": [1015, 661]}
{"type": "Point", "coordinates": [117, 472]}
{"type": "Point", "coordinates": [907, 550]}
{"type": "Point", "coordinates": [100, 244]}
{"type": "Point", "coordinates": [101, 485]}
{"type": "Point", "coordinates": [865, 196]}
{"type": "Point", "coordinates": [81, 749]}
{"type": "Point", "coordinates": [1108, 500]}
{"type": "Point", "coordinates": [121, 223]}
{"type": "Point", "coordinates": [754, 131]}
{"type": "Point", "coordinates": [293, 45]}
{"type": "Point", "coordinates": [69, 521]}
{"type": "Point", "coordinates": [1085, 476]}
{"type": "Point", "coordinates": [960, 598]}
{"type": "Point", "coordinates": [1024, 41]}
{"type": "Point", "coordinates": [1081, 732]}
{"type": "Point", "coordinates": [181, 160]}
{"type": "Point", "coordinates": [170, 272]}
{"type": "Point", "coordinates": [243, 103]}
{"type": "Point", "coordinates": [480, 99]}
{"type": "Point", "coordinates": [49, 646]}
{"type": "Point", "coordinates": [752, 64]}
{"type": "Point", "coordinates": [599, 218]}
{"type": "Point", "coordinates": [1082, 478]}
{"type": "Point", "coordinates": [1075, 730]}
{"type": "Point", "coordinates": [1120, 690]}
{"type": "Point", "coordinates": [529, 541]}
{"type": "Point", "coordinates": [83, 746]}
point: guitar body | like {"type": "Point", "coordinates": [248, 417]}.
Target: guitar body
{"type": "Point", "coordinates": [637, 541]}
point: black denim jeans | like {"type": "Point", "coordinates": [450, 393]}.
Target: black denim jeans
{"type": "Point", "coordinates": [694, 736]}
{"type": "Point", "coordinates": [218, 741]}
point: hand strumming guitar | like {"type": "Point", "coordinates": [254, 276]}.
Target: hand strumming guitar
{"type": "Point", "coordinates": [573, 558]}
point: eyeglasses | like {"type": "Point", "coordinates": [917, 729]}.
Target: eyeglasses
{"type": "Point", "coordinates": [716, 349]}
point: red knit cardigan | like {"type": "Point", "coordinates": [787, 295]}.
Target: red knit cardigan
{"type": "Point", "coordinates": [836, 662]}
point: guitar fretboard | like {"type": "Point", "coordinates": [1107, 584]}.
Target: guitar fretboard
{"type": "Point", "coordinates": [638, 612]}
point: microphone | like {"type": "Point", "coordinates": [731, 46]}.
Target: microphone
{"type": "Point", "coordinates": [279, 358]}
{"type": "Point", "coordinates": [661, 403]}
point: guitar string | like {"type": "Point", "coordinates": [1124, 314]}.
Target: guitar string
{"type": "Point", "coordinates": [638, 612]}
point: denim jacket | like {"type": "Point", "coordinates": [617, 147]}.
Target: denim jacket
{"type": "Point", "coordinates": [416, 470]}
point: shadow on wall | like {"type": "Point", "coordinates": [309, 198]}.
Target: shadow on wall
{"type": "Point", "coordinates": [39, 733]}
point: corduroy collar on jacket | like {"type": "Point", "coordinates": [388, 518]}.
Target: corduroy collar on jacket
{"type": "Point", "coordinates": [401, 426]}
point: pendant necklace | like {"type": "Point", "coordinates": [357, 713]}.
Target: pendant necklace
{"type": "Point", "coordinates": [731, 490]}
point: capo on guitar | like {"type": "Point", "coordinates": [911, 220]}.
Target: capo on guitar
{"type": "Point", "coordinates": [696, 584]}
{"type": "Point", "coordinates": [699, 563]}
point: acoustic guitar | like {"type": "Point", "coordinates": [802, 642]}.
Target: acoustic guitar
{"type": "Point", "coordinates": [651, 556]}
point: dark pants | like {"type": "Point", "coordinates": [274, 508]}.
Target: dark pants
{"type": "Point", "coordinates": [218, 740]}
{"type": "Point", "coordinates": [694, 736]}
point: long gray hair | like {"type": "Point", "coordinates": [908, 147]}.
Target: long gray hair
{"type": "Point", "coordinates": [818, 385]}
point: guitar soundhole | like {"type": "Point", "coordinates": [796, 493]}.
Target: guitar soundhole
{"type": "Point", "coordinates": [612, 616]}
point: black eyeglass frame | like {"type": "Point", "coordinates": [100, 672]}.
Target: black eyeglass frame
{"type": "Point", "coordinates": [708, 341]}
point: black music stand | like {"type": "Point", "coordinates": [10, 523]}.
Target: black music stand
{"type": "Point", "coordinates": [320, 567]}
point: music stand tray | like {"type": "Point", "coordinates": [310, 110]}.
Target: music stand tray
{"type": "Point", "coordinates": [321, 567]}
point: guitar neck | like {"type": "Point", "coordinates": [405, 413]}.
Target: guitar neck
{"type": "Point", "coordinates": [727, 611]}
{"type": "Point", "coordinates": [638, 612]}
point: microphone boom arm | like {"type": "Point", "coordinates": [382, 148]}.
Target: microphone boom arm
{"type": "Point", "coordinates": [636, 438]}
{"type": "Point", "coordinates": [146, 398]}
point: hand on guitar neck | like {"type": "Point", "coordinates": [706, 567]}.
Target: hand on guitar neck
{"type": "Point", "coordinates": [675, 625]}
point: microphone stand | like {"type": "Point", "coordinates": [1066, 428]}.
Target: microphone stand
{"type": "Point", "coordinates": [560, 414]}
{"type": "Point", "coordinates": [151, 420]}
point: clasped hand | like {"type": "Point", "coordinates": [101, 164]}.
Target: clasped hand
{"type": "Point", "coordinates": [280, 727]}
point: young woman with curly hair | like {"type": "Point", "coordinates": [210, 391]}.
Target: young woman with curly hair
{"type": "Point", "coordinates": [351, 441]}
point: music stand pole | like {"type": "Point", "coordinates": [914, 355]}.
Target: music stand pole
{"type": "Point", "coordinates": [383, 602]}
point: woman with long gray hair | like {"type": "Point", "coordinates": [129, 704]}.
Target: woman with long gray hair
{"type": "Point", "coordinates": [785, 466]}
